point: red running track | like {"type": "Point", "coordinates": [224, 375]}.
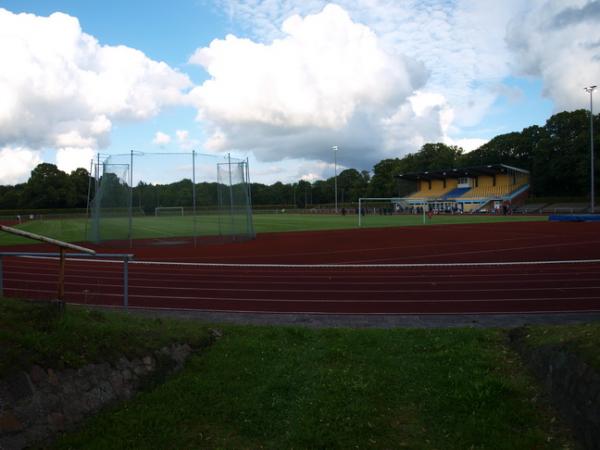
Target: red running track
{"type": "Point", "coordinates": [423, 289]}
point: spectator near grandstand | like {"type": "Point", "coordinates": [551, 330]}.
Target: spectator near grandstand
{"type": "Point", "coordinates": [495, 188]}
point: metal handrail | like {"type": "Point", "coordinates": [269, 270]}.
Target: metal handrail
{"type": "Point", "coordinates": [62, 246]}
{"type": "Point", "coordinates": [46, 239]}
{"type": "Point", "coordinates": [126, 257]}
{"type": "Point", "coordinates": [69, 255]}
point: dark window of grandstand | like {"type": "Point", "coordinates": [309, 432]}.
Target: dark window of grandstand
{"type": "Point", "coordinates": [429, 184]}
{"type": "Point", "coordinates": [514, 178]}
{"type": "Point", "coordinates": [476, 181]}
{"type": "Point", "coordinates": [494, 180]}
{"type": "Point", "coordinates": [444, 183]}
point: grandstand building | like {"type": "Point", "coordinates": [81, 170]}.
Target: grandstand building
{"type": "Point", "coordinates": [486, 188]}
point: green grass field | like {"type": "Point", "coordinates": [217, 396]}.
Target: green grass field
{"type": "Point", "coordinates": [287, 387]}
{"type": "Point", "coordinates": [74, 229]}
{"type": "Point", "coordinates": [279, 388]}
{"type": "Point", "coordinates": [36, 333]}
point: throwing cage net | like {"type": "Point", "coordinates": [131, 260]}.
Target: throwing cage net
{"type": "Point", "coordinates": [233, 200]}
{"type": "Point", "coordinates": [162, 198]}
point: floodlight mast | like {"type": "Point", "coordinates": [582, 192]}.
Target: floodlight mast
{"type": "Point", "coordinates": [335, 149]}
{"type": "Point", "coordinates": [590, 90]}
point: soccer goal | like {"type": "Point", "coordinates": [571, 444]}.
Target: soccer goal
{"type": "Point", "coordinates": [389, 206]}
{"type": "Point", "coordinates": [161, 211]}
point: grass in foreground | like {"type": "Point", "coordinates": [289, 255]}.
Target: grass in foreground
{"type": "Point", "coordinates": [277, 387]}
{"type": "Point", "coordinates": [283, 387]}
{"type": "Point", "coordinates": [35, 333]}
{"type": "Point", "coordinates": [583, 340]}
{"type": "Point", "coordinates": [74, 229]}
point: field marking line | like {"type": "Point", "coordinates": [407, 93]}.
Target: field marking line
{"type": "Point", "coordinates": [331, 301]}
{"type": "Point", "coordinates": [249, 270]}
{"type": "Point", "coordinates": [172, 298]}
{"type": "Point", "coordinates": [361, 266]}
{"type": "Point", "coordinates": [478, 252]}
{"type": "Point", "coordinates": [332, 266]}
{"type": "Point", "coordinates": [366, 302]}
{"type": "Point", "coordinates": [375, 249]}
{"type": "Point", "coordinates": [321, 313]}
{"type": "Point", "coordinates": [315, 290]}
{"type": "Point", "coordinates": [423, 281]}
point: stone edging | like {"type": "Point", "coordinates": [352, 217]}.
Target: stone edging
{"type": "Point", "coordinates": [35, 405]}
{"type": "Point", "coordinates": [573, 385]}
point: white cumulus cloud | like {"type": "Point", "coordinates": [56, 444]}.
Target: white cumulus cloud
{"type": "Point", "coordinates": [71, 158]}
{"type": "Point", "coordinates": [60, 88]}
{"type": "Point", "coordinates": [559, 41]}
{"type": "Point", "coordinates": [379, 78]}
{"type": "Point", "coordinates": [182, 136]}
{"type": "Point", "coordinates": [318, 75]}
{"type": "Point", "coordinates": [461, 43]}
{"type": "Point", "coordinates": [16, 164]}
{"type": "Point", "coordinates": [161, 138]}
{"type": "Point", "coordinates": [327, 81]}
{"type": "Point", "coordinates": [184, 140]}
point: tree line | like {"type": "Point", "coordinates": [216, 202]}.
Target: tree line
{"type": "Point", "coordinates": [557, 154]}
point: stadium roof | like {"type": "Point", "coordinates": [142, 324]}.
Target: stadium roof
{"type": "Point", "coordinates": [489, 169]}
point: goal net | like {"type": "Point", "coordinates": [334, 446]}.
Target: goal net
{"type": "Point", "coordinates": [204, 196]}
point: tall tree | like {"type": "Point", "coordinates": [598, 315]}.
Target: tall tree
{"type": "Point", "coordinates": [303, 195]}
{"type": "Point", "coordinates": [561, 158]}
{"type": "Point", "coordinates": [48, 187]}
{"type": "Point", "coordinates": [351, 185]}
{"type": "Point", "coordinates": [78, 183]}
{"type": "Point", "coordinates": [383, 183]}
{"type": "Point", "coordinates": [11, 196]}
{"type": "Point", "coordinates": [437, 156]}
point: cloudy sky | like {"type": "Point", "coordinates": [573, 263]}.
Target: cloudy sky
{"type": "Point", "coordinates": [281, 82]}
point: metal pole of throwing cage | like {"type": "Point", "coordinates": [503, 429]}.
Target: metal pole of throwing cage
{"type": "Point", "coordinates": [130, 205]}
{"type": "Point", "coordinates": [61, 280]}
{"type": "Point", "coordinates": [230, 194]}
{"type": "Point", "coordinates": [590, 90]}
{"type": "Point", "coordinates": [126, 282]}
{"type": "Point", "coordinates": [194, 197]}
{"type": "Point", "coordinates": [359, 212]}
{"type": "Point", "coordinates": [335, 149]}
{"type": "Point", "coordinates": [89, 192]}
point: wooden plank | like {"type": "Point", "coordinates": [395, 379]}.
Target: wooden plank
{"type": "Point", "coordinates": [48, 240]}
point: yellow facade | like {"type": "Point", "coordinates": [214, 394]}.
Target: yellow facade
{"type": "Point", "coordinates": [437, 188]}
{"type": "Point", "coordinates": [485, 187]}
{"type": "Point", "coordinates": [482, 187]}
